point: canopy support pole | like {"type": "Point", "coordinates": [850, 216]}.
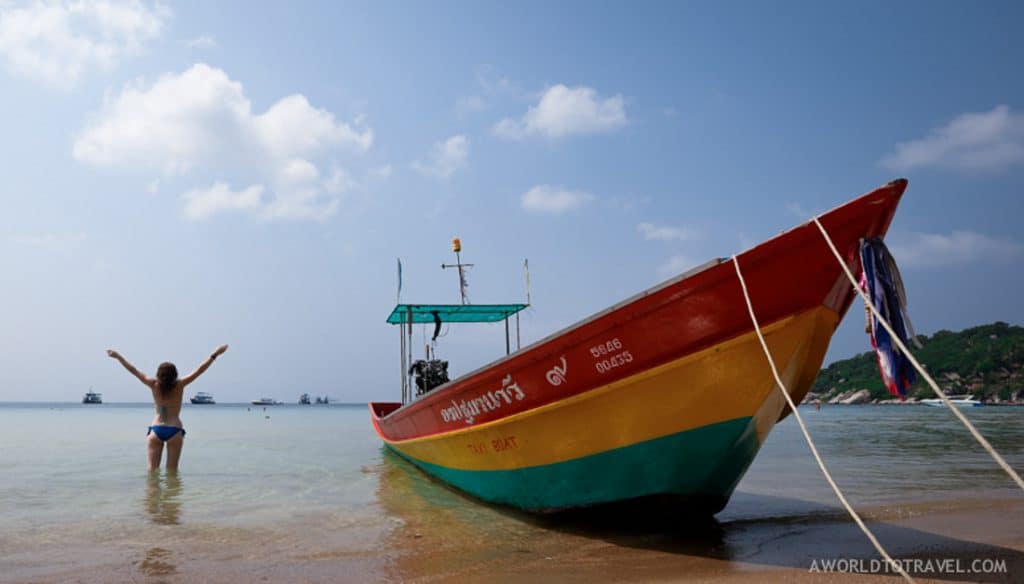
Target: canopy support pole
{"type": "Point", "coordinates": [518, 344]}
{"type": "Point", "coordinates": [401, 348]}
{"type": "Point", "coordinates": [408, 347]}
{"type": "Point", "coordinates": [508, 347]}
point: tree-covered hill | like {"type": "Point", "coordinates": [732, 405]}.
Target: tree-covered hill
{"type": "Point", "coordinates": [985, 361]}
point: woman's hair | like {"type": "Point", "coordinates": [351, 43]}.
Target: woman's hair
{"type": "Point", "coordinates": [167, 377]}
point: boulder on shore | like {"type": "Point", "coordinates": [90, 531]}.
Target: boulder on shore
{"type": "Point", "coordinates": [858, 397]}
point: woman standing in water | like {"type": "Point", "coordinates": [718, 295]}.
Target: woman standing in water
{"type": "Point", "coordinates": [168, 391]}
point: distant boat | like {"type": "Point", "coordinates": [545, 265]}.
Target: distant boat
{"type": "Point", "coordinates": [304, 399]}
{"type": "Point", "coordinates": [960, 401]}
{"type": "Point", "coordinates": [92, 398]}
{"type": "Point", "coordinates": [265, 401]}
{"type": "Point", "coordinates": [202, 398]}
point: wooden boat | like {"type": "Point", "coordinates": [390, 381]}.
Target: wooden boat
{"type": "Point", "coordinates": [666, 395]}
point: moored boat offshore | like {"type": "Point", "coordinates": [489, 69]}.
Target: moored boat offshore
{"type": "Point", "coordinates": [960, 401]}
{"type": "Point", "coordinates": [202, 398]}
{"type": "Point", "coordinates": [667, 394]}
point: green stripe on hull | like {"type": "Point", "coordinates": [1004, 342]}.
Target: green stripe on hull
{"type": "Point", "coordinates": [704, 464]}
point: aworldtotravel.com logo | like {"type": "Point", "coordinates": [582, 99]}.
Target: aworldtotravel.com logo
{"type": "Point", "coordinates": [917, 566]}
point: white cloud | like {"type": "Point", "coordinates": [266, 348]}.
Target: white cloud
{"type": "Point", "coordinates": [509, 128]}
{"type": "Point", "coordinates": [200, 122]}
{"type": "Point", "coordinates": [990, 140]}
{"type": "Point", "coordinates": [564, 111]}
{"type": "Point", "coordinates": [60, 42]}
{"type": "Point", "coordinates": [340, 181]}
{"type": "Point", "coordinates": [293, 127]}
{"type": "Point", "coordinates": [445, 157]}
{"type": "Point", "coordinates": [201, 42]}
{"type": "Point", "coordinates": [653, 232]}
{"type": "Point", "coordinates": [201, 203]}
{"type": "Point", "coordinates": [554, 200]}
{"type": "Point", "coordinates": [675, 265]}
{"type": "Point", "coordinates": [959, 247]}
{"type": "Point", "coordinates": [300, 203]}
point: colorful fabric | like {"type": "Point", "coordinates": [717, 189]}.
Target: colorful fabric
{"type": "Point", "coordinates": [881, 280]}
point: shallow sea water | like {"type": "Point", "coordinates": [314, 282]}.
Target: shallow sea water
{"type": "Point", "coordinates": [273, 491]}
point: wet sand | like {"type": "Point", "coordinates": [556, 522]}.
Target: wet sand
{"type": "Point", "coordinates": [453, 544]}
{"type": "Point", "coordinates": [635, 547]}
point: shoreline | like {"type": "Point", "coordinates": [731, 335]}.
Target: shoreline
{"type": "Point", "coordinates": [773, 549]}
{"type": "Point", "coordinates": [429, 541]}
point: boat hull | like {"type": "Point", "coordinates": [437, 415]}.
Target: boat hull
{"type": "Point", "coordinates": [938, 403]}
{"type": "Point", "coordinates": [665, 394]}
{"type": "Point", "coordinates": [687, 429]}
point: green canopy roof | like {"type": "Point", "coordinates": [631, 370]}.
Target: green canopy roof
{"type": "Point", "coordinates": [424, 313]}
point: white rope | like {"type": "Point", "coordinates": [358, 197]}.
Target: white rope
{"type": "Point", "coordinates": [807, 436]}
{"type": "Point", "coordinates": [867, 302]}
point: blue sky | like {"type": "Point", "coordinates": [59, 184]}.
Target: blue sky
{"type": "Point", "coordinates": [176, 176]}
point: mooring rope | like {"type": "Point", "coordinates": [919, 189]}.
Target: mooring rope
{"type": "Point", "coordinates": [867, 302]}
{"type": "Point", "coordinates": [807, 435]}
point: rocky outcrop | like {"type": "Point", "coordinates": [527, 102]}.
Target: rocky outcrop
{"type": "Point", "coordinates": [861, 396]}
{"type": "Point", "coordinates": [848, 398]}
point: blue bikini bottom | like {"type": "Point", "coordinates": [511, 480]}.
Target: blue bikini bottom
{"type": "Point", "coordinates": [165, 433]}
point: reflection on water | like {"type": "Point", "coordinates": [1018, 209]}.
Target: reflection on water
{"type": "Point", "coordinates": [163, 505]}
{"type": "Point", "coordinates": [157, 563]}
{"type": "Point", "coordinates": [163, 498]}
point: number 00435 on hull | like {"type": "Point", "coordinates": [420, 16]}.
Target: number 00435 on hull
{"type": "Point", "coordinates": [667, 394]}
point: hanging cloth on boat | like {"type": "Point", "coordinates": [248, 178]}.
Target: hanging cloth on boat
{"type": "Point", "coordinates": [437, 324]}
{"type": "Point", "coordinates": [881, 279]}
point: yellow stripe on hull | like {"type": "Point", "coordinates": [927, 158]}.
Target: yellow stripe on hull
{"type": "Point", "coordinates": [728, 381]}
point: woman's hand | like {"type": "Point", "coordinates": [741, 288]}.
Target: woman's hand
{"type": "Point", "coordinates": [113, 354]}
{"type": "Point", "coordinates": [220, 350]}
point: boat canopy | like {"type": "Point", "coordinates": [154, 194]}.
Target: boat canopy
{"type": "Point", "coordinates": [425, 313]}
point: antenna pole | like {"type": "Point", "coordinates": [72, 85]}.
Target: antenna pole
{"type": "Point", "coordinates": [457, 248]}
{"type": "Point", "coordinates": [526, 268]}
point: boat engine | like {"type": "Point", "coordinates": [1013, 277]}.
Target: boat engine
{"type": "Point", "coordinates": [429, 374]}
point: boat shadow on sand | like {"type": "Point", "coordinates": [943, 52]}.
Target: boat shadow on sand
{"type": "Point", "coordinates": [753, 532]}
{"type": "Point", "coordinates": [801, 535]}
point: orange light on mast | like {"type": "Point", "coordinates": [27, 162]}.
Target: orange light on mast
{"type": "Point", "coordinates": [456, 245]}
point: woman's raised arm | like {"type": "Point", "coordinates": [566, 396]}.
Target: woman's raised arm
{"type": "Point", "coordinates": [204, 365]}
{"type": "Point", "coordinates": [148, 381]}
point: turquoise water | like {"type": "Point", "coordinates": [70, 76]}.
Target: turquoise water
{"type": "Point", "coordinates": [314, 479]}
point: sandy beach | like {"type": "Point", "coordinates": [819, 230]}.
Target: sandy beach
{"type": "Point", "coordinates": [443, 547]}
